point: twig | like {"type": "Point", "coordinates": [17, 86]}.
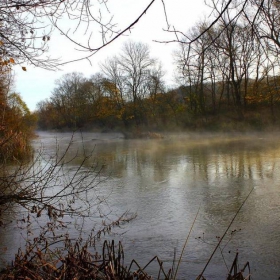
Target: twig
{"type": "Point", "coordinates": [217, 246]}
{"type": "Point", "coordinates": [185, 244]}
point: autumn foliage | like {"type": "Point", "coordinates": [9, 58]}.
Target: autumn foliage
{"type": "Point", "coordinates": [96, 103]}
{"type": "Point", "coordinates": [16, 121]}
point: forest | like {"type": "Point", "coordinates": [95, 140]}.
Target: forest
{"type": "Point", "coordinates": [230, 83]}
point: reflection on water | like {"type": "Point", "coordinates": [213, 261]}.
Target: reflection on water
{"type": "Point", "coordinates": [166, 181]}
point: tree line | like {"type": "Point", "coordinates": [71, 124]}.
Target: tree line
{"type": "Point", "coordinates": [130, 91]}
{"type": "Point", "coordinates": [233, 79]}
{"type": "Point", "coordinates": [232, 64]}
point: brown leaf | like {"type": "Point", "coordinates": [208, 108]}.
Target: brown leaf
{"type": "Point", "coordinates": [23, 68]}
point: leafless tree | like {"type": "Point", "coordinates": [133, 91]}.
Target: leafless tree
{"type": "Point", "coordinates": [131, 71]}
{"type": "Point", "coordinates": [47, 185]}
{"type": "Point", "coordinates": [27, 26]}
{"type": "Point", "coordinates": [52, 189]}
{"type": "Point", "coordinates": [113, 73]}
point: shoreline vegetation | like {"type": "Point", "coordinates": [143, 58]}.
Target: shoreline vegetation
{"type": "Point", "coordinates": [76, 261]}
{"type": "Point", "coordinates": [156, 133]}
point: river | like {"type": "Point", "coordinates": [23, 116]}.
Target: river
{"type": "Point", "coordinates": [167, 181]}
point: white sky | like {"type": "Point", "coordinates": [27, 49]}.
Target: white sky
{"type": "Point", "coordinates": [36, 84]}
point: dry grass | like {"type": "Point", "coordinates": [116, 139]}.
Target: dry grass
{"type": "Point", "coordinates": [77, 262]}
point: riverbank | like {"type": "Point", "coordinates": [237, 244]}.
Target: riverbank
{"type": "Point", "coordinates": [77, 262]}
{"type": "Point", "coordinates": [253, 122]}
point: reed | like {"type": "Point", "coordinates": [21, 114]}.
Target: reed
{"type": "Point", "coordinates": [76, 261]}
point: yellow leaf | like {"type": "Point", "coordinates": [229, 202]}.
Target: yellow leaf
{"type": "Point", "coordinates": [23, 68]}
{"type": "Point", "coordinates": [12, 60]}
{"type": "Point", "coordinates": [1, 43]}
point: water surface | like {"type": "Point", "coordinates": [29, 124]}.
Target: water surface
{"type": "Point", "coordinates": [166, 181]}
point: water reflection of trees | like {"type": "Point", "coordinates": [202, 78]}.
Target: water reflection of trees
{"type": "Point", "coordinates": [207, 160]}
{"type": "Point", "coordinates": [224, 170]}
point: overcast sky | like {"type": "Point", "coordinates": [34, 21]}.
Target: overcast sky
{"type": "Point", "coordinates": [36, 84]}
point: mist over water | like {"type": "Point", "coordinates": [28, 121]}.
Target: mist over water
{"type": "Point", "coordinates": [167, 180]}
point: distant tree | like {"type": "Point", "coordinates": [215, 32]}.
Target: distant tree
{"type": "Point", "coordinates": [67, 100]}
{"type": "Point", "coordinates": [192, 63]}
{"type": "Point", "coordinates": [47, 114]}
{"type": "Point", "coordinates": [132, 71]}
{"type": "Point", "coordinates": [222, 63]}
